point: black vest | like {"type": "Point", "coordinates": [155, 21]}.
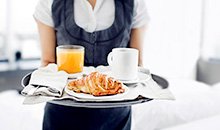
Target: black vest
{"type": "Point", "coordinates": [99, 43]}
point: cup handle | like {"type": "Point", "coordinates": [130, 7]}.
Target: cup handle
{"type": "Point", "coordinates": [110, 59]}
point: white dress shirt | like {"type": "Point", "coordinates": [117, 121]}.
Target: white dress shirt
{"type": "Point", "coordinates": [99, 18]}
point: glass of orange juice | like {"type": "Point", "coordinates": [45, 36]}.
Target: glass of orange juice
{"type": "Point", "coordinates": [70, 58]}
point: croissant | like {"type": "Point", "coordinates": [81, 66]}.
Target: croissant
{"type": "Point", "coordinates": [96, 84]}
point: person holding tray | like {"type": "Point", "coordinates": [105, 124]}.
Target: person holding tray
{"type": "Point", "coordinates": [98, 26]}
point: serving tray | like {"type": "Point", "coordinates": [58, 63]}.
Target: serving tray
{"type": "Point", "coordinates": [162, 82]}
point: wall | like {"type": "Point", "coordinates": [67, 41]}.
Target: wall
{"type": "Point", "coordinates": [211, 34]}
{"type": "Point", "coordinates": [172, 44]}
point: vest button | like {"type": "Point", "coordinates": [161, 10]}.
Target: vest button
{"type": "Point", "coordinates": [93, 38]}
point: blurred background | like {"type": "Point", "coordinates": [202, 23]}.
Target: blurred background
{"type": "Point", "coordinates": [182, 42]}
{"type": "Point", "coordinates": [19, 46]}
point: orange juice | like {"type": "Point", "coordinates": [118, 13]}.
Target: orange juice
{"type": "Point", "coordinates": [70, 58]}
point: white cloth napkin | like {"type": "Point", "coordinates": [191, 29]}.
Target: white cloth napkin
{"type": "Point", "coordinates": [46, 81]}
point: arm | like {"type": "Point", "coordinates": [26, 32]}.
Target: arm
{"type": "Point", "coordinates": [136, 41]}
{"type": "Point", "coordinates": [48, 43]}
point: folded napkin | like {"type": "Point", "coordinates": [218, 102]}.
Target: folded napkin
{"type": "Point", "coordinates": [46, 81]}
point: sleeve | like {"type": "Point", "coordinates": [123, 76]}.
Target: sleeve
{"type": "Point", "coordinates": [140, 14]}
{"type": "Point", "coordinates": [43, 12]}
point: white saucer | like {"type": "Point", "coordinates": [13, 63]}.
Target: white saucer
{"type": "Point", "coordinates": [141, 78]}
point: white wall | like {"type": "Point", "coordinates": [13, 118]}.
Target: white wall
{"type": "Point", "coordinates": [2, 27]}
{"type": "Point", "coordinates": [211, 35]}
{"type": "Point", "coordinates": [19, 30]}
{"type": "Point", "coordinates": [2, 15]}
{"type": "Point", "coordinates": [173, 39]}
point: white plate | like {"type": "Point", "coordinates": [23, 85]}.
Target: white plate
{"type": "Point", "coordinates": [89, 96]}
{"type": "Point", "coordinates": [141, 78]}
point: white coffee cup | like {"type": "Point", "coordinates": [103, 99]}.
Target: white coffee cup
{"type": "Point", "coordinates": [124, 63]}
